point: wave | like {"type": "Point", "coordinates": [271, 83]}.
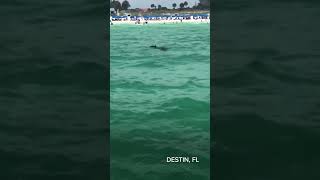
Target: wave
{"type": "Point", "coordinates": [157, 85]}
{"type": "Point", "coordinates": [260, 71]}
{"type": "Point", "coordinates": [175, 108]}
{"type": "Point", "coordinates": [77, 74]}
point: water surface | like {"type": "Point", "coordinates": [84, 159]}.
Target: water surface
{"type": "Point", "coordinates": [159, 100]}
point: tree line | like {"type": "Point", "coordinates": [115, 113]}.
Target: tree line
{"type": "Point", "coordinates": [203, 4]}
{"type": "Point", "coordinates": [125, 5]}
{"type": "Point", "coordinates": [174, 5]}
{"type": "Point", "coordinates": [118, 6]}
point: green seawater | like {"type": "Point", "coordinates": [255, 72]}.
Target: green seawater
{"type": "Point", "coordinates": [159, 101]}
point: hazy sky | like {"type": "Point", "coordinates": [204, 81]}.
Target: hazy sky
{"type": "Point", "coordinates": [166, 3]}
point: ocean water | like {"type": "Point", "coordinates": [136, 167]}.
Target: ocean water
{"type": "Point", "coordinates": [159, 101]}
{"type": "Point", "coordinates": [53, 66]}
{"type": "Point", "coordinates": [266, 90]}
{"type": "Point", "coordinates": [54, 76]}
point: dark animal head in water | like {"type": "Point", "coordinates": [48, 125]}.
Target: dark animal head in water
{"type": "Point", "coordinates": [160, 48]}
{"type": "Point", "coordinates": [163, 48]}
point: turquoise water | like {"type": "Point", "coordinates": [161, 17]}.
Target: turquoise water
{"type": "Point", "coordinates": [159, 101]}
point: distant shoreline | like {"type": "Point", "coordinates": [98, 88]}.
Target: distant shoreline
{"type": "Point", "coordinates": [163, 12]}
{"type": "Point", "coordinates": [165, 19]}
{"type": "Point", "coordinates": [194, 21]}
